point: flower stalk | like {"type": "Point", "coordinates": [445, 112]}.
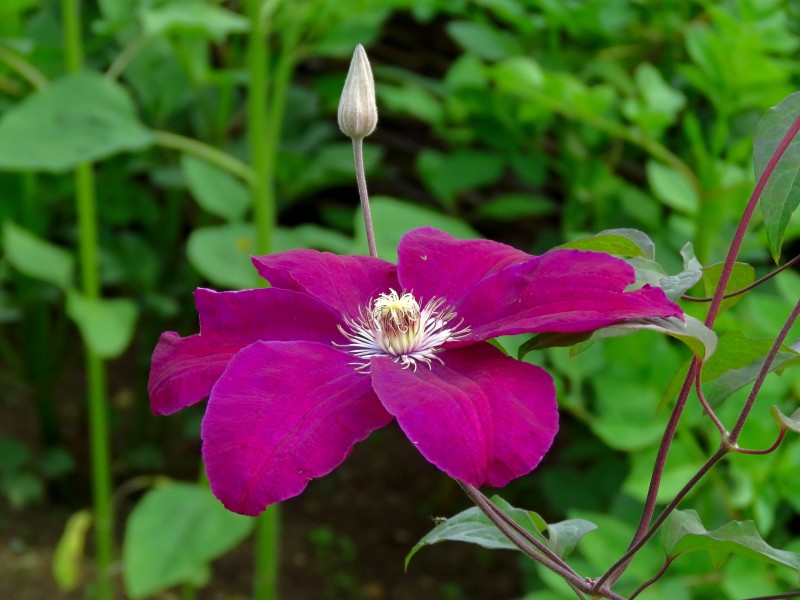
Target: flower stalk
{"type": "Point", "coordinates": [95, 368]}
{"type": "Point", "coordinates": [357, 118]}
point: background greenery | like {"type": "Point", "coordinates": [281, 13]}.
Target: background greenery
{"type": "Point", "coordinates": [531, 122]}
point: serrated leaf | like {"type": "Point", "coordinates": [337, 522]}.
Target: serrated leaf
{"type": "Point", "coordinates": [474, 527]}
{"type": "Point", "coordinates": [627, 243]}
{"type": "Point", "coordinates": [68, 556]}
{"type": "Point", "coordinates": [700, 339]}
{"type": "Point", "coordinates": [172, 535]}
{"type": "Point", "coordinates": [781, 195]}
{"type": "Point", "coordinates": [393, 218]}
{"type": "Point", "coordinates": [106, 325]}
{"type": "Point", "coordinates": [742, 275]}
{"type": "Point", "coordinates": [216, 191]}
{"type": "Point", "coordinates": [36, 257]}
{"type": "Point", "coordinates": [76, 119]}
{"type": "Point", "coordinates": [683, 532]}
{"type": "Point", "coordinates": [792, 422]}
{"type": "Point", "coordinates": [212, 21]}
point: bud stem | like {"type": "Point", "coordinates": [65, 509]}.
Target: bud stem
{"type": "Point", "coordinates": [358, 153]}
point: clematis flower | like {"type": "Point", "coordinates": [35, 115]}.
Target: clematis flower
{"type": "Point", "coordinates": [339, 346]}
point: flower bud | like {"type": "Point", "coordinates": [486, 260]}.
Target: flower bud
{"type": "Point", "coordinates": [358, 113]}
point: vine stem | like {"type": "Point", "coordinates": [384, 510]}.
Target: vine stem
{"type": "Point", "coordinates": [358, 155]}
{"type": "Point", "coordinates": [27, 70]}
{"type": "Point", "coordinates": [95, 368]}
{"type": "Point", "coordinates": [644, 531]}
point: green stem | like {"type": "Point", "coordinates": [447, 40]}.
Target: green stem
{"type": "Point", "coordinates": [262, 159]}
{"type": "Point", "coordinates": [263, 198]}
{"type": "Point", "coordinates": [218, 158]}
{"type": "Point", "coordinates": [29, 72]}
{"type": "Point", "coordinates": [95, 369]}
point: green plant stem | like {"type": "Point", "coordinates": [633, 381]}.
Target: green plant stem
{"type": "Point", "coordinates": [125, 57]}
{"type": "Point", "coordinates": [216, 157]}
{"type": "Point", "coordinates": [29, 72]}
{"type": "Point", "coordinates": [262, 159]}
{"type": "Point", "coordinates": [262, 186]}
{"type": "Point", "coordinates": [95, 369]}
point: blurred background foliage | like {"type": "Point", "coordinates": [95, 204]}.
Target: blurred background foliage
{"type": "Point", "coordinates": [533, 122]}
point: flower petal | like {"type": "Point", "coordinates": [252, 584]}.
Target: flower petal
{"type": "Point", "coordinates": [282, 414]}
{"type": "Point", "coordinates": [560, 291]}
{"type": "Point", "coordinates": [433, 263]}
{"type": "Point", "coordinates": [482, 417]}
{"type": "Point", "coordinates": [184, 369]}
{"type": "Point", "coordinates": [346, 283]}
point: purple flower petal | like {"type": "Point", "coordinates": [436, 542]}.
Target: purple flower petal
{"type": "Point", "coordinates": [184, 369]}
{"type": "Point", "coordinates": [483, 418]}
{"type": "Point", "coordinates": [560, 291]}
{"type": "Point", "coordinates": [435, 264]}
{"type": "Point", "coordinates": [346, 283]}
{"type": "Point", "coordinates": [282, 414]}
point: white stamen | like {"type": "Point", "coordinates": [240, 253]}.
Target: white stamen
{"type": "Point", "coordinates": [395, 327]}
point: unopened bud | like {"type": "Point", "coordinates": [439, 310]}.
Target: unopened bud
{"type": "Point", "coordinates": [358, 113]}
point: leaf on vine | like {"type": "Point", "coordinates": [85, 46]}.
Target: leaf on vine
{"type": "Point", "coordinates": [737, 363]}
{"type": "Point", "coordinates": [741, 276]}
{"type": "Point", "coordinates": [792, 422]}
{"type": "Point", "coordinates": [692, 332]}
{"type": "Point", "coordinates": [474, 527]}
{"type": "Point", "coordinates": [627, 243]}
{"type": "Point", "coordinates": [781, 195]}
{"type": "Point", "coordinates": [683, 532]}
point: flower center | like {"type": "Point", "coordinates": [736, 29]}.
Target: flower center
{"type": "Point", "coordinates": [393, 325]}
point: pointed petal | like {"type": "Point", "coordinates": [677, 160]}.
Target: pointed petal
{"type": "Point", "coordinates": [183, 370]}
{"type": "Point", "coordinates": [282, 414]}
{"type": "Point", "coordinates": [346, 283]}
{"type": "Point", "coordinates": [433, 263]}
{"type": "Point", "coordinates": [560, 291]}
{"type": "Point", "coordinates": [482, 417]}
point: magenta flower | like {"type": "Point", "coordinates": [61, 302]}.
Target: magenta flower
{"type": "Point", "coordinates": [342, 345]}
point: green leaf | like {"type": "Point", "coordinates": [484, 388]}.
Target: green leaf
{"type": "Point", "coordinates": [222, 254]}
{"type": "Point", "coordinates": [683, 532]}
{"type": "Point", "coordinates": [511, 207]}
{"type": "Point", "coordinates": [211, 21]}
{"type": "Point", "coordinates": [393, 218]}
{"type": "Point", "coordinates": [106, 325]}
{"type": "Point", "coordinates": [674, 286]}
{"type": "Point", "coordinates": [741, 276]}
{"type": "Point", "coordinates": [37, 258]}
{"type": "Point", "coordinates": [540, 341]}
{"type": "Point", "coordinates": [781, 196]}
{"type": "Point", "coordinates": [68, 556]}
{"type": "Point", "coordinates": [172, 535]}
{"type": "Point", "coordinates": [448, 175]}
{"type": "Point", "coordinates": [671, 188]}
{"type": "Point", "coordinates": [792, 422]}
{"type": "Point", "coordinates": [700, 339]}
{"type": "Point", "coordinates": [474, 527]}
{"type": "Point", "coordinates": [741, 364]}
{"type": "Point", "coordinates": [76, 119]}
{"type": "Point", "coordinates": [216, 191]}
{"type": "Point", "coordinates": [627, 243]}
{"type": "Point", "coordinates": [489, 43]}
